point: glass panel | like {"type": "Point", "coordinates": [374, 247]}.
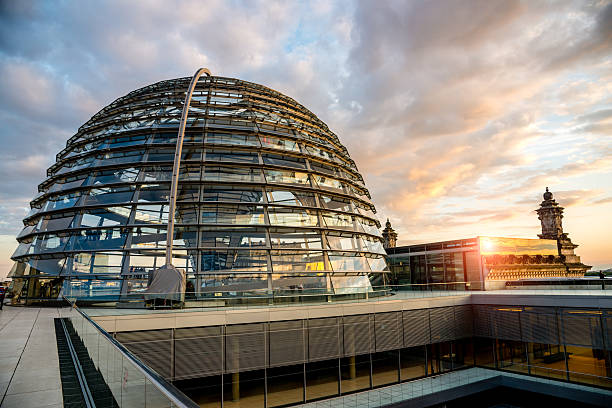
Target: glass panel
{"type": "Point", "coordinates": [385, 368]}
{"type": "Point", "coordinates": [109, 195]}
{"type": "Point", "coordinates": [284, 161]}
{"type": "Point", "coordinates": [154, 192]}
{"type": "Point", "coordinates": [292, 238]}
{"type": "Point", "coordinates": [233, 237]}
{"type": "Point", "coordinates": [296, 283]}
{"type": "Point", "coordinates": [67, 183]}
{"type": "Point", "coordinates": [146, 237]}
{"type": "Point", "coordinates": [127, 141]}
{"type": "Point", "coordinates": [348, 262]}
{"type": "Point", "coordinates": [233, 283]}
{"type": "Point", "coordinates": [121, 157]}
{"type": "Point", "coordinates": [151, 214]}
{"type": "Point", "coordinates": [547, 360]}
{"type": "Point", "coordinates": [328, 182]}
{"type": "Point", "coordinates": [231, 156]}
{"type": "Point", "coordinates": [189, 173]}
{"type": "Point", "coordinates": [338, 220]}
{"type": "Point", "coordinates": [205, 393]}
{"type": "Point", "coordinates": [322, 168]}
{"type": "Point", "coordinates": [244, 390]}
{"type": "Point", "coordinates": [511, 356]}
{"type": "Point", "coordinates": [287, 197]}
{"type": "Point", "coordinates": [293, 217]}
{"type": "Point", "coordinates": [48, 243]}
{"type": "Point", "coordinates": [286, 177]}
{"type": "Point", "coordinates": [587, 365]}
{"type": "Point", "coordinates": [344, 241]}
{"type": "Point", "coordinates": [54, 222]}
{"type": "Point", "coordinates": [232, 214]}
{"type": "Point", "coordinates": [377, 264]}
{"type": "Point", "coordinates": [232, 139]}
{"type": "Point", "coordinates": [97, 262]}
{"type": "Point", "coordinates": [336, 203]}
{"type": "Point", "coordinates": [156, 173]}
{"type": "Point", "coordinates": [355, 373]}
{"type": "Point", "coordinates": [284, 261]}
{"type": "Point", "coordinates": [234, 260]}
{"type": "Point", "coordinates": [273, 142]}
{"type": "Point", "coordinates": [321, 379]}
{"type": "Point", "coordinates": [62, 201]}
{"type": "Point", "coordinates": [483, 352]}
{"type": "Point", "coordinates": [51, 266]}
{"type": "Point", "coordinates": [412, 363]}
{"type": "Point", "coordinates": [111, 238]}
{"type": "Point", "coordinates": [161, 155]}
{"type": "Point", "coordinates": [232, 194]}
{"type": "Point", "coordinates": [188, 192]}
{"type": "Point", "coordinates": [285, 385]}
{"type": "Point", "coordinates": [245, 174]}
{"type": "Point", "coordinates": [105, 217]}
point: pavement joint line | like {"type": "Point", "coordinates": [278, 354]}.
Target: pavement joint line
{"type": "Point", "coordinates": [20, 355]}
{"type": "Point", "coordinates": [11, 319]}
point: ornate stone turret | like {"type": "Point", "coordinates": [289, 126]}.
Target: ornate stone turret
{"type": "Point", "coordinates": [550, 214]}
{"type": "Point", "coordinates": [389, 236]}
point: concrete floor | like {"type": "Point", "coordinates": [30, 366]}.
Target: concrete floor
{"type": "Point", "coordinates": [29, 365]}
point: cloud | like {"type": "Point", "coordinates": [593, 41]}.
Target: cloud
{"type": "Point", "coordinates": [457, 113]}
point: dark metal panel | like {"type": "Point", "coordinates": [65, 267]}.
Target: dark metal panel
{"type": "Point", "coordinates": [581, 329]}
{"type": "Point", "coordinates": [540, 326]}
{"type": "Point", "coordinates": [358, 335]}
{"type": "Point", "coordinates": [286, 341]}
{"type": "Point", "coordinates": [607, 329]}
{"type": "Point", "coordinates": [323, 339]}
{"type": "Point", "coordinates": [442, 323]}
{"type": "Point", "coordinates": [482, 321]}
{"type": "Point", "coordinates": [198, 352]}
{"type": "Point", "coordinates": [387, 329]}
{"type": "Point", "coordinates": [505, 323]}
{"type": "Point", "coordinates": [152, 347]}
{"type": "Point", "coordinates": [245, 347]}
{"type": "Point", "coordinates": [464, 321]}
{"type": "Point", "coordinates": [415, 327]}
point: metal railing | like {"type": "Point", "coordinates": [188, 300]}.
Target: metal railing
{"type": "Point", "coordinates": [132, 383]}
{"type": "Point", "coordinates": [226, 296]}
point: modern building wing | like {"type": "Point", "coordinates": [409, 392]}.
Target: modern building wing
{"type": "Point", "coordinates": [268, 199]}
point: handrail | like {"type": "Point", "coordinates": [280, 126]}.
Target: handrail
{"type": "Point", "coordinates": [170, 391]}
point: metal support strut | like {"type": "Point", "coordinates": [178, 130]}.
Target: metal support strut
{"type": "Point", "coordinates": [177, 163]}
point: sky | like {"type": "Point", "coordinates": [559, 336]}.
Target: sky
{"type": "Point", "coordinates": [457, 113]}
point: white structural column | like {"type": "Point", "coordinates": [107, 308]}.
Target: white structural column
{"type": "Point", "coordinates": [177, 162]}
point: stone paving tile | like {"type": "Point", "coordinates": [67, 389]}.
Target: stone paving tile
{"type": "Point", "coordinates": [29, 365]}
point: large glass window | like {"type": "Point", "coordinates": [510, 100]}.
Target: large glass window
{"type": "Point", "coordinates": [355, 371]}
{"type": "Point", "coordinates": [234, 260]}
{"type": "Point", "coordinates": [348, 262]}
{"type": "Point", "coordinates": [108, 238]}
{"type": "Point", "coordinates": [286, 177]}
{"type": "Point", "coordinates": [547, 360]}
{"type": "Point", "coordinates": [385, 368]}
{"type": "Point", "coordinates": [412, 363]}
{"type": "Point", "coordinates": [285, 385]}
{"type": "Point", "coordinates": [284, 261]}
{"type": "Point", "coordinates": [55, 222]}
{"type": "Point", "coordinates": [295, 239]}
{"type": "Point", "coordinates": [232, 194]}
{"type": "Point", "coordinates": [244, 390]}
{"type": "Point", "coordinates": [231, 156]}
{"type": "Point", "coordinates": [286, 197]}
{"type": "Point", "coordinates": [272, 142]}
{"type": "Point", "coordinates": [149, 237]}
{"type": "Point", "coordinates": [321, 379]}
{"type": "Point", "coordinates": [328, 182]}
{"type": "Point", "coordinates": [154, 193]}
{"type": "Point", "coordinates": [511, 355]}
{"type": "Point", "coordinates": [105, 217]}
{"type": "Point", "coordinates": [589, 365]}
{"type": "Point", "coordinates": [109, 195]}
{"type": "Point", "coordinates": [242, 174]}
{"type": "Point", "coordinates": [336, 203]}
{"type": "Point", "coordinates": [338, 220]}
{"type": "Point", "coordinates": [232, 237]}
{"type": "Point", "coordinates": [232, 214]}
{"type": "Point", "coordinates": [152, 174]}
{"type": "Point", "coordinates": [293, 217]}
{"type": "Point", "coordinates": [232, 139]}
{"type": "Point", "coordinates": [284, 161]}
{"type": "Point", "coordinates": [115, 157]}
{"type": "Point", "coordinates": [97, 262]}
{"type": "Point", "coordinates": [62, 201]}
{"type": "Point", "coordinates": [151, 214]}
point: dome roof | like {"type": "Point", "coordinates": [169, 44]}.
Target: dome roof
{"type": "Point", "coordinates": [268, 196]}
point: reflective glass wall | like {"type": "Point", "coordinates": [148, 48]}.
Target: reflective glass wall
{"type": "Point", "coordinates": [268, 198]}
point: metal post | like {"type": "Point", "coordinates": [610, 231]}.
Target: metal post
{"type": "Point", "coordinates": [177, 162]}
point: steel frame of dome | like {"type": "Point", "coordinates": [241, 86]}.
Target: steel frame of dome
{"type": "Point", "coordinates": [268, 199]}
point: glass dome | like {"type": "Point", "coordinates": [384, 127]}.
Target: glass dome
{"type": "Point", "coordinates": [268, 199]}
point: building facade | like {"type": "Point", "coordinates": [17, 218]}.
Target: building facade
{"type": "Point", "coordinates": [487, 262]}
{"type": "Point", "coordinates": [268, 200]}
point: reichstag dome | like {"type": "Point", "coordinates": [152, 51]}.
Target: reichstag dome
{"type": "Point", "coordinates": [268, 199]}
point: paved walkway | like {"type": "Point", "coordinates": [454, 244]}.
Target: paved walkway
{"type": "Point", "coordinates": [29, 365]}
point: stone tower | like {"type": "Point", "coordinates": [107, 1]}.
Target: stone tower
{"type": "Point", "coordinates": [550, 214]}
{"type": "Point", "coordinates": [389, 236]}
